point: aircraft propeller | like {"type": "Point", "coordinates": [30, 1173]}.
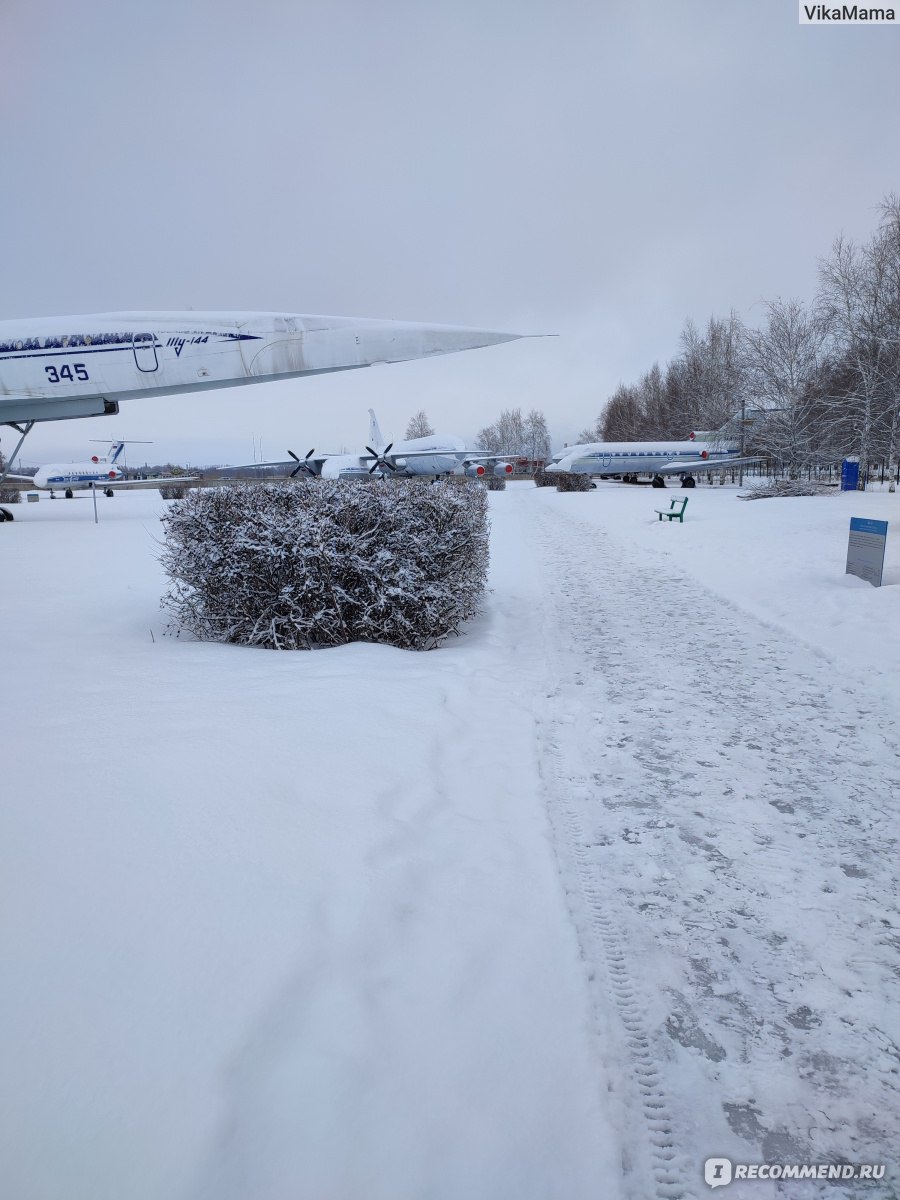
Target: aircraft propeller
{"type": "Point", "coordinates": [302, 464]}
{"type": "Point", "coordinates": [380, 459]}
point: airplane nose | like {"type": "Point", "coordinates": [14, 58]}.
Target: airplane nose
{"type": "Point", "coordinates": [399, 343]}
{"type": "Point", "coordinates": [449, 341]}
{"type": "Point", "coordinates": [363, 344]}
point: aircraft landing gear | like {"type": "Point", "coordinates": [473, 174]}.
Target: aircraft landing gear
{"type": "Point", "coordinates": [69, 493]}
{"type": "Point", "coordinates": [5, 514]}
{"type": "Point", "coordinates": [658, 481]}
{"type": "Point", "coordinates": [109, 492]}
{"type": "Point", "coordinates": [688, 481]}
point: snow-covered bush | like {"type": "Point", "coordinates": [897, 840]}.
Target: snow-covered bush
{"type": "Point", "coordinates": [493, 483]}
{"type": "Point", "coordinates": [787, 487]}
{"type": "Point", "coordinates": [8, 495]}
{"type": "Point", "coordinates": [568, 481]}
{"type": "Point", "coordinates": [543, 478]}
{"type": "Point", "coordinates": [173, 492]}
{"type": "Point", "coordinates": [319, 563]}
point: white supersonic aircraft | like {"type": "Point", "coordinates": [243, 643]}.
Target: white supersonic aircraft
{"type": "Point", "coordinates": [433, 455]}
{"type": "Point", "coordinates": [58, 368]}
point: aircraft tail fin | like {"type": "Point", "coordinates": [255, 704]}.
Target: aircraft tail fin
{"type": "Point", "coordinates": [376, 441]}
{"type": "Point", "coordinates": [115, 450]}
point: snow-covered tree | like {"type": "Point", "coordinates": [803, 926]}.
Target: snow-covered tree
{"type": "Point", "coordinates": [489, 439]}
{"type": "Point", "coordinates": [507, 435]}
{"type": "Point", "coordinates": [712, 363]}
{"type": "Point", "coordinates": [537, 436]}
{"type": "Point", "coordinates": [623, 418]}
{"type": "Point", "coordinates": [701, 389]}
{"type": "Point", "coordinates": [419, 426]}
{"type": "Point", "coordinates": [783, 362]}
{"type": "Point", "coordinates": [860, 298]}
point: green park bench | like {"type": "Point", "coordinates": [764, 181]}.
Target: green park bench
{"type": "Point", "coordinates": [675, 512]}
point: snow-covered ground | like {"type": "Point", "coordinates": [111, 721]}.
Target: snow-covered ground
{"type": "Point", "coordinates": [596, 891]}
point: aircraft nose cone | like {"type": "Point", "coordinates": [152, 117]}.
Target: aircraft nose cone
{"type": "Point", "coordinates": [424, 341]}
{"type": "Point", "coordinates": [448, 341]}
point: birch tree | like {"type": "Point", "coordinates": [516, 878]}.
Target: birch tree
{"type": "Point", "coordinates": [783, 363]}
{"type": "Point", "coordinates": [860, 298]}
{"type": "Point", "coordinates": [537, 436]}
{"type": "Point", "coordinates": [507, 435]}
{"type": "Point", "coordinates": [419, 426]}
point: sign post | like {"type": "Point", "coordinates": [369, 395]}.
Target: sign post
{"type": "Point", "coordinates": [865, 550]}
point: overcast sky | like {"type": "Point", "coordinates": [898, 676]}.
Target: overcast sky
{"type": "Point", "coordinates": [596, 169]}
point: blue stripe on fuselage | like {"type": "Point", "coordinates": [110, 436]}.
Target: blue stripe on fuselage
{"type": "Point", "coordinates": [100, 344]}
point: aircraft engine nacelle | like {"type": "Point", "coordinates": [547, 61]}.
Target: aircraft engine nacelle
{"type": "Point", "coordinates": [503, 469]}
{"type": "Point", "coordinates": [475, 471]}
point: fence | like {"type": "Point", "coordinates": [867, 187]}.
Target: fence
{"type": "Point", "coordinates": [771, 468]}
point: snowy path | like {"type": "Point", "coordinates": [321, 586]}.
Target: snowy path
{"type": "Point", "coordinates": [725, 806]}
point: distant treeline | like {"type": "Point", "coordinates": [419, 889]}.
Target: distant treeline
{"type": "Point", "coordinates": [814, 383]}
{"type": "Point", "coordinates": [517, 436]}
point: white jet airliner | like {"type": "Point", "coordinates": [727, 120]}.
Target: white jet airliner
{"type": "Point", "coordinates": [627, 460]}
{"type": "Point", "coordinates": [433, 455]}
{"type": "Point", "coordinates": [101, 472]}
{"type": "Point", "coordinates": [57, 368]}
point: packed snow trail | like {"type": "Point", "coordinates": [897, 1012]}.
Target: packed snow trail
{"type": "Point", "coordinates": [725, 811]}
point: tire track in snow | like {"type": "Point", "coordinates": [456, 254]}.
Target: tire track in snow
{"type": "Point", "coordinates": [701, 776]}
{"type": "Point", "coordinates": [652, 1166]}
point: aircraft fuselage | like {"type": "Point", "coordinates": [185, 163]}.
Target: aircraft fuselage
{"type": "Point", "coordinates": [75, 475]}
{"type": "Point", "coordinates": [55, 368]}
{"type": "Point", "coordinates": [625, 458]}
{"type": "Point", "coordinates": [449, 453]}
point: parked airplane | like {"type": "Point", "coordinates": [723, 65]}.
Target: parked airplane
{"type": "Point", "coordinates": [432, 455]}
{"type": "Point", "coordinates": [57, 368]}
{"type": "Point", "coordinates": [627, 460]}
{"type": "Point", "coordinates": [100, 472]}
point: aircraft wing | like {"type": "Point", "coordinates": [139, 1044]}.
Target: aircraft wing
{"type": "Point", "coordinates": [166, 481]}
{"type": "Point", "coordinates": [411, 454]}
{"type": "Point", "coordinates": [314, 462]}
{"type": "Point", "coordinates": [22, 482]}
{"type": "Point", "coordinates": [703, 464]}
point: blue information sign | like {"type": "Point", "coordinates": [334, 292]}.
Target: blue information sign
{"type": "Point", "coordinates": [865, 550]}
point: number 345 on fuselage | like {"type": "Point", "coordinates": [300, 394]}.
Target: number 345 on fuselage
{"type": "Point", "coordinates": [55, 368]}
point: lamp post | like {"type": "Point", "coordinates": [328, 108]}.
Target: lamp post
{"type": "Point", "coordinates": [741, 447]}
